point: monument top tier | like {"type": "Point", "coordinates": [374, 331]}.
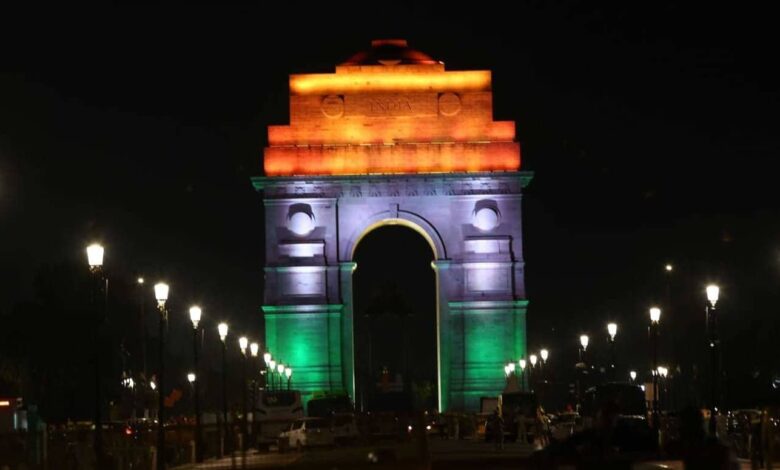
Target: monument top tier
{"type": "Point", "coordinates": [391, 109]}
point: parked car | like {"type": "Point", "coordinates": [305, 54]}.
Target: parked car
{"type": "Point", "coordinates": [308, 432]}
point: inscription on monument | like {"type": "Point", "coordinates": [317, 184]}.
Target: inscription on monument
{"type": "Point", "coordinates": [396, 105]}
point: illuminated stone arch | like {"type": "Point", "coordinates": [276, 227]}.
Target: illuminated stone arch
{"type": "Point", "coordinates": [394, 140]}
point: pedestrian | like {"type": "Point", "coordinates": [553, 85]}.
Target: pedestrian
{"type": "Point", "coordinates": [498, 429]}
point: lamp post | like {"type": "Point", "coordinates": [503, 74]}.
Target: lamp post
{"type": "Point", "coordinates": [195, 314]}
{"type": "Point", "coordinates": [522, 363]}
{"type": "Point", "coordinates": [288, 373]}
{"type": "Point", "coordinates": [584, 341]}
{"type": "Point", "coordinates": [272, 371]}
{"type": "Point", "coordinates": [222, 329]}
{"type": "Point", "coordinates": [544, 354]}
{"type": "Point", "coordinates": [713, 340]}
{"type": "Point", "coordinates": [632, 375]}
{"type": "Point", "coordinates": [254, 349]}
{"type": "Point", "coordinates": [655, 319]}
{"type": "Point", "coordinates": [531, 373]}
{"type": "Point", "coordinates": [99, 283]}
{"type": "Point", "coordinates": [243, 343]}
{"type": "Point", "coordinates": [612, 331]}
{"type": "Point", "coordinates": [142, 324]}
{"type": "Point", "coordinates": [267, 362]}
{"type": "Point", "coordinates": [161, 291]}
{"type": "Point", "coordinates": [662, 372]}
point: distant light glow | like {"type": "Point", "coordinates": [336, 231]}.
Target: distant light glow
{"type": "Point", "coordinates": [522, 363]}
{"type": "Point", "coordinates": [267, 358]}
{"type": "Point", "coordinates": [254, 348]}
{"type": "Point", "coordinates": [153, 385]}
{"type": "Point", "coordinates": [280, 368]}
{"type": "Point", "coordinates": [5, 403]}
{"type": "Point", "coordinates": [584, 340]}
{"type": "Point", "coordinates": [191, 377]}
{"type": "Point", "coordinates": [632, 374]}
{"type": "Point", "coordinates": [712, 293]}
{"type": "Point", "coordinates": [140, 280]}
{"type": "Point", "coordinates": [533, 359]}
{"type": "Point", "coordinates": [511, 366]}
{"type": "Point", "coordinates": [545, 354]}
{"type": "Point", "coordinates": [668, 268]}
{"type": "Point", "coordinates": [243, 342]}
{"type": "Point", "coordinates": [288, 372]}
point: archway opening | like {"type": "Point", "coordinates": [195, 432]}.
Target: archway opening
{"type": "Point", "coordinates": [394, 295]}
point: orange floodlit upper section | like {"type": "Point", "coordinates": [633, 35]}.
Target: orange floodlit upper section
{"type": "Point", "coordinates": [391, 109]}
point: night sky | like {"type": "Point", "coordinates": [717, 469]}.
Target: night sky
{"type": "Point", "coordinates": [652, 130]}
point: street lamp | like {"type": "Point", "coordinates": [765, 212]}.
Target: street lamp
{"type": "Point", "coordinates": [632, 374]}
{"type": "Point", "coordinates": [668, 268]}
{"type": "Point", "coordinates": [545, 354]}
{"type": "Point", "coordinates": [288, 373]}
{"type": "Point", "coordinates": [254, 349]}
{"type": "Point", "coordinates": [612, 329]}
{"type": "Point", "coordinates": [161, 291]}
{"type": "Point", "coordinates": [191, 378]}
{"type": "Point", "coordinates": [713, 339]}
{"type": "Point", "coordinates": [264, 373]}
{"type": "Point", "coordinates": [662, 372]}
{"type": "Point", "coordinates": [195, 315]}
{"type": "Point", "coordinates": [522, 363]}
{"type": "Point", "coordinates": [582, 366]}
{"type": "Point", "coordinates": [584, 340]}
{"type": "Point", "coordinates": [99, 285]}
{"type": "Point", "coordinates": [655, 318]}
{"type": "Point", "coordinates": [243, 343]}
{"type": "Point", "coordinates": [222, 329]}
{"type": "Point", "coordinates": [531, 373]}
{"type": "Point", "coordinates": [272, 369]}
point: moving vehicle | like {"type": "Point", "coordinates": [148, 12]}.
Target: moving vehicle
{"type": "Point", "coordinates": [275, 411]}
{"type": "Point", "coordinates": [307, 432]}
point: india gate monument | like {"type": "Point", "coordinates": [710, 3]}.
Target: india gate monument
{"type": "Point", "coordinates": [394, 138]}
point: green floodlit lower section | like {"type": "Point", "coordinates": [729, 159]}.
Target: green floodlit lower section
{"type": "Point", "coordinates": [485, 336]}
{"type": "Point", "coordinates": [477, 339]}
{"type": "Point", "coordinates": [308, 339]}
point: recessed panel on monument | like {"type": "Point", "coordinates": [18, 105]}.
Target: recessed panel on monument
{"type": "Point", "coordinates": [393, 137]}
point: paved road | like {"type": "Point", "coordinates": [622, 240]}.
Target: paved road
{"type": "Point", "coordinates": [444, 454]}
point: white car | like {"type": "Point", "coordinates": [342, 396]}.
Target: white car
{"type": "Point", "coordinates": [308, 432]}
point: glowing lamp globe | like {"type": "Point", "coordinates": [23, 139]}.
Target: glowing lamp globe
{"type": "Point", "coordinates": [612, 330]}
{"type": "Point", "coordinates": [522, 364]}
{"type": "Point", "coordinates": [655, 315]}
{"type": "Point", "coordinates": [280, 368]}
{"type": "Point", "coordinates": [584, 340]}
{"type": "Point", "coordinates": [511, 366]}
{"type": "Point", "coordinates": [161, 291]}
{"type": "Point", "coordinates": [632, 374]}
{"type": "Point", "coordinates": [222, 328]}
{"type": "Point", "coordinates": [288, 372]}
{"type": "Point", "coordinates": [195, 313]}
{"type": "Point", "coordinates": [243, 342]}
{"type": "Point", "coordinates": [267, 358]}
{"type": "Point", "coordinates": [254, 348]}
{"type": "Point", "coordinates": [191, 377]}
{"type": "Point", "coordinates": [712, 293]}
{"type": "Point", "coordinates": [95, 255]}
{"type": "Point", "coordinates": [545, 354]}
{"type": "Point", "coordinates": [533, 359]}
